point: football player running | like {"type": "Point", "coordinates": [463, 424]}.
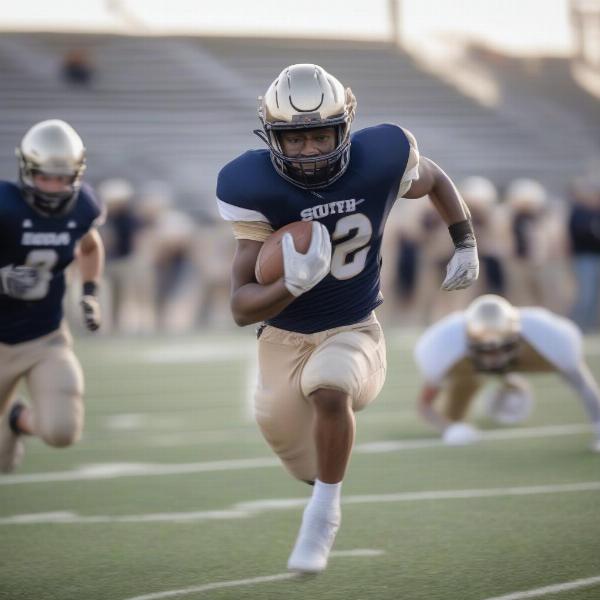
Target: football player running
{"type": "Point", "coordinates": [46, 219]}
{"type": "Point", "coordinates": [494, 338]}
{"type": "Point", "coordinates": [321, 349]}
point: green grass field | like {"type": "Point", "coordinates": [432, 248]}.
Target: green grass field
{"type": "Point", "coordinates": [166, 495]}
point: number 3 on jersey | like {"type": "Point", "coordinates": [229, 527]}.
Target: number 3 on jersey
{"type": "Point", "coordinates": [349, 257]}
{"type": "Point", "coordinates": [43, 261]}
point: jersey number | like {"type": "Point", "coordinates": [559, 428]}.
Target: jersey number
{"type": "Point", "coordinates": [43, 261]}
{"type": "Point", "coordinates": [349, 257]}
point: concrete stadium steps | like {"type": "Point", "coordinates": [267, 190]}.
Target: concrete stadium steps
{"type": "Point", "coordinates": [179, 108]}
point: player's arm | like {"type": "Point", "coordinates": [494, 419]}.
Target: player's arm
{"type": "Point", "coordinates": [250, 301]}
{"type": "Point", "coordinates": [463, 269]}
{"type": "Point", "coordinates": [426, 407]}
{"type": "Point", "coordinates": [91, 265]}
{"type": "Point", "coordinates": [584, 384]}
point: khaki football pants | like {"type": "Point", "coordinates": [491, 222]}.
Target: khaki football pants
{"type": "Point", "coordinates": [464, 381]}
{"type": "Point", "coordinates": [292, 366]}
{"type": "Point", "coordinates": [55, 382]}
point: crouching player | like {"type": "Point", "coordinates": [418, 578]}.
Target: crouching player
{"type": "Point", "coordinates": [494, 338]}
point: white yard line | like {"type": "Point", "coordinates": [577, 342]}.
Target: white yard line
{"type": "Point", "coordinates": [116, 470]}
{"type": "Point", "coordinates": [494, 435]}
{"type": "Point", "coordinates": [550, 589]}
{"type": "Point", "coordinates": [358, 553]}
{"type": "Point", "coordinates": [257, 507]}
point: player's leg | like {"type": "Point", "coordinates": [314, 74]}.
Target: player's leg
{"type": "Point", "coordinates": [283, 414]}
{"type": "Point", "coordinates": [460, 392]}
{"type": "Point", "coordinates": [15, 359]}
{"type": "Point", "coordinates": [11, 444]}
{"type": "Point", "coordinates": [56, 388]}
{"type": "Point", "coordinates": [344, 374]}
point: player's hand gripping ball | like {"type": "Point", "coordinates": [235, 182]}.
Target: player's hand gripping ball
{"type": "Point", "coordinates": [269, 263]}
{"type": "Point", "coordinates": [300, 252]}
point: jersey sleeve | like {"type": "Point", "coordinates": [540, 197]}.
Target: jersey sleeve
{"type": "Point", "coordinates": [411, 173]}
{"type": "Point", "coordinates": [257, 231]}
{"type": "Point", "coordinates": [234, 203]}
{"type": "Point", "coordinates": [557, 339]}
{"type": "Point", "coordinates": [441, 347]}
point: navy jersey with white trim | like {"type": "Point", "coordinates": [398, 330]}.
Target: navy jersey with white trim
{"type": "Point", "coordinates": [27, 238]}
{"type": "Point", "coordinates": [354, 209]}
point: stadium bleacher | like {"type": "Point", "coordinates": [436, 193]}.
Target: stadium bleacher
{"type": "Point", "coordinates": [178, 108]}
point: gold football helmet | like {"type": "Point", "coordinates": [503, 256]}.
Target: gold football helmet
{"type": "Point", "coordinates": [305, 96]}
{"type": "Point", "coordinates": [493, 332]}
{"type": "Point", "coordinates": [51, 147]}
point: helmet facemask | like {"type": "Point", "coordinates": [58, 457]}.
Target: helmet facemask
{"type": "Point", "coordinates": [305, 97]}
{"type": "Point", "coordinates": [493, 333]}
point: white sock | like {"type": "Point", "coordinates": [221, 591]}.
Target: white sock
{"type": "Point", "coordinates": [326, 495]}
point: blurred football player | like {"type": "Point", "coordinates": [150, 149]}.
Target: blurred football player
{"type": "Point", "coordinates": [321, 350]}
{"type": "Point", "coordinates": [45, 220]}
{"type": "Point", "coordinates": [494, 338]}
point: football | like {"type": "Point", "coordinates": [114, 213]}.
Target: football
{"type": "Point", "coordinates": [269, 263]}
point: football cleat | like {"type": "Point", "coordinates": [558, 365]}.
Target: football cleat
{"type": "Point", "coordinates": [12, 447]}
{"type": "Point", "coordinates": [315, 540]}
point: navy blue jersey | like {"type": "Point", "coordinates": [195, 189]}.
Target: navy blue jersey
{"type": "Point", "coordinates": [354, 210]}
{"type": "Point", "coordinates": [27, 238]}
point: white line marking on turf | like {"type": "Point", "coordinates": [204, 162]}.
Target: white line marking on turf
{"type": "Point", "coordinates": [257, 507]}
{"type": "Point", "coordinates": [359, 552]}
{"type": "Point", "coordinates": [115, 470]}
{"type": "Point", "coordinates": [498, 434]}
{"type": "Point", "coordinates": [550, 589]}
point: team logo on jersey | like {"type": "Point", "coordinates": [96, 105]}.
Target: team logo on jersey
{"type": "Point", "coordinates": [27, 224]}
{"type": "Point", "coordinates": [32, 238]}
{"type": "Point", "coordinates": [331, 208]}
{"type": "Point", "coordinates": [71, 225]}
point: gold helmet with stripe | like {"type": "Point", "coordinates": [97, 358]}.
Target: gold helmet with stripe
{"type": "Point", "coordinates": [305, 96]}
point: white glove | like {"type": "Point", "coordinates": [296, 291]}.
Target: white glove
{"type": "Point", "coordinates": [303, 271]}
{"type": "Point", "coordinates": [460, 434]}
{"type": "Point", "coordinates": [462, 270]}
{"type": "Point", "coordinates": [91, 312]}
{"type": "Point", "coordinates": [21, 282]}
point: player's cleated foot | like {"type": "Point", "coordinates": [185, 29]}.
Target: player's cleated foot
{"type": "Point", "coordinates": [316, 537]}
{"type": "Point", "coordinates": [12, 448]}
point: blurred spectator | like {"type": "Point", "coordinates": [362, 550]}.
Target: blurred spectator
{"type": "Point", "coordinates": [214, 252]}
{"type": "Point", "coordinates": [584, 231]}
{"type": "Point", "coordinates": [491, 227]}
{"type": "Point", "coordinates": [119, 235]}
{"type": "Point", "coordinates": [167, 260]}
{"type": "Point", "coordinates": [77, 67]}
{"type": "Point", "coordinates": [526, 201]}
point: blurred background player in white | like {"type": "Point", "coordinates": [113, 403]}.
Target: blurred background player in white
{"type": "Point", "coordinates": [494, 338]}
{"type": "Point", "coordinates": [321, 348]}
{"type": "Point", "coordinates": [46, 220]}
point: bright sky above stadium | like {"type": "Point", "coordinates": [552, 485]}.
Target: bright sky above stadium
{"type": "Point", "coordinates": [519, 26]}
